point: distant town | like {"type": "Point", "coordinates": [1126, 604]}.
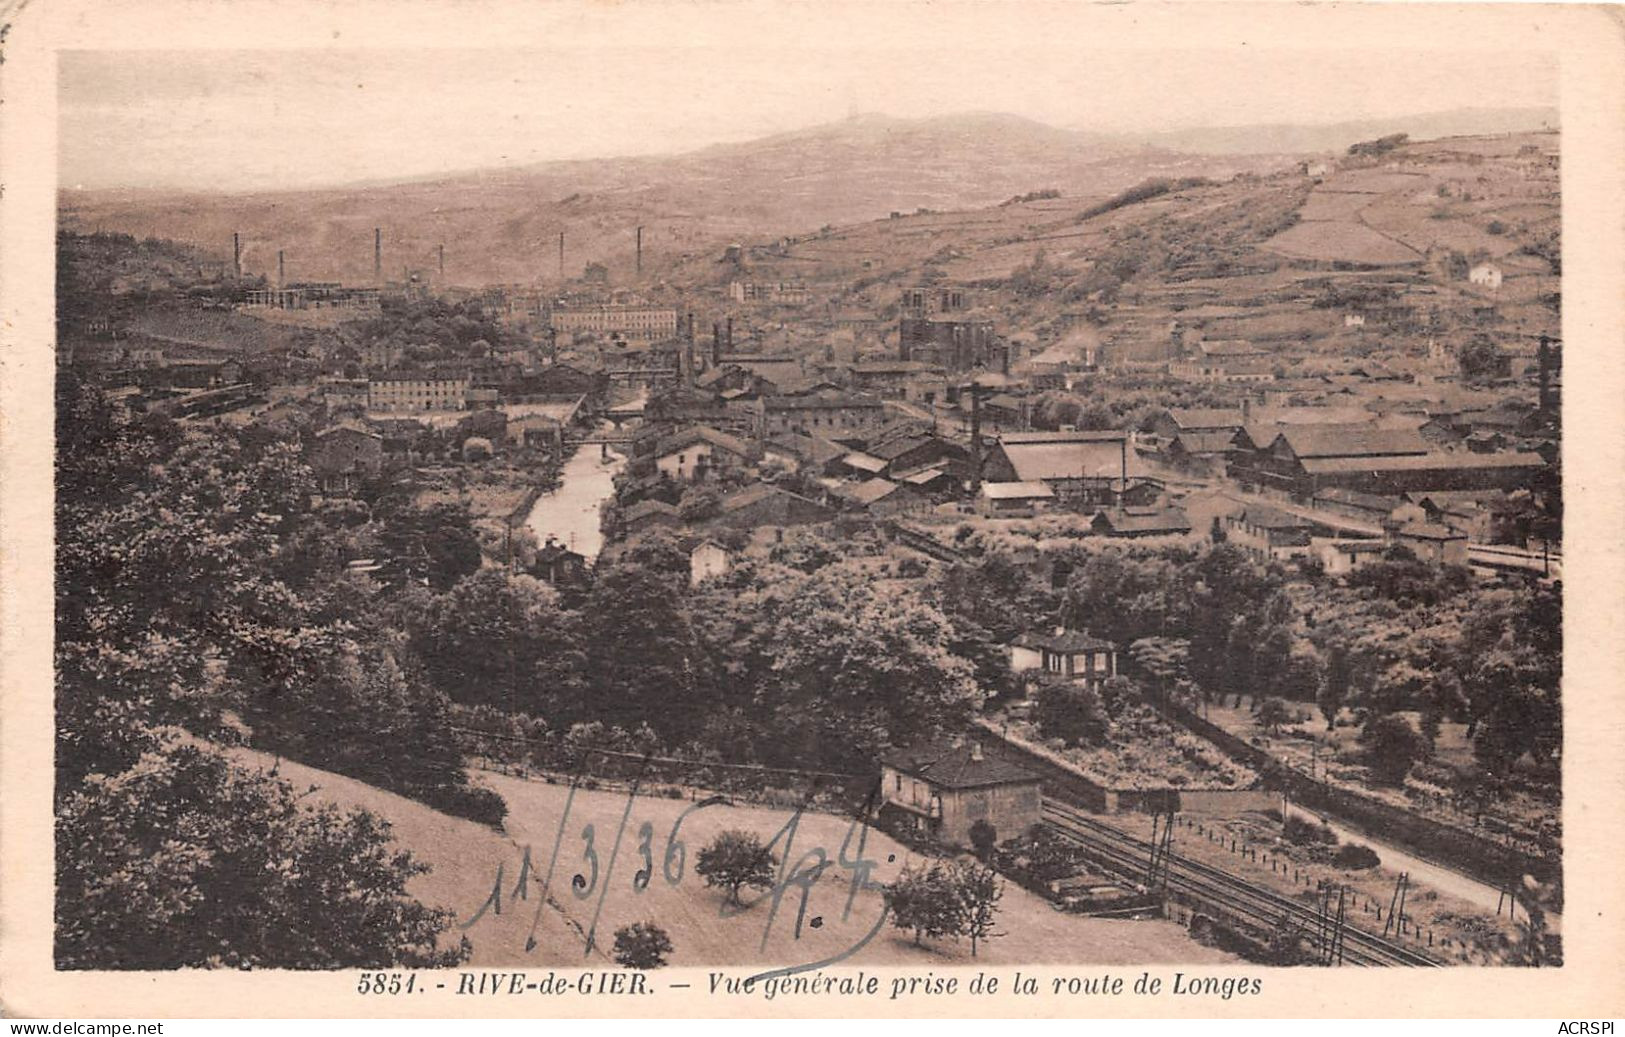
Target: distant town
{"type": "Point", "coordinates": [1188, 554]}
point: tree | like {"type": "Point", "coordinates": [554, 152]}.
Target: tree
{"type": "Point", "coordinates": [1481, 360]}
{"type": "Point", "coordinates": [641, 945]}
{"type": "Point", "coordinates": [734, 860]}
{"type": "Point", "coordinates": [1299, 679]}
{"type": "Point", "coordinates": [1393, 746]}
{"type": "Point", "coordinates": [924, 902]}
{"type": "Point", "coordinates": [647, 652]}
{"type": "Point", "coordinates": [1272, 713]}
{"type": "Point", "coordinates": [489, 639]}
{"type": "Point", "coordinates": [1511, 660]}
{"type": "Point", "coordinates": [187, 861]}
{"type": "Point", "coordinates": [845, 669]}
{"type": "Point", "coordinates": [984, 839]}
{"type": "Point", "coordinates": [1335, 681]}
{"type": "Point", "coordinates": [1070, 711]}
{"type": "Point", "coordinates": [977, 892]}
{"type": "Point", "coordinates": [435, 544]}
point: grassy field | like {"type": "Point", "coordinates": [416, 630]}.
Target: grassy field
{"type": "Point", "coordinates": [465, 858]}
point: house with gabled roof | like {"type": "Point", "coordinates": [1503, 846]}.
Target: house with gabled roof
{"type": "Point", "coordinates": [763, 504]}
{"type": "Point", "coordinates": [1141, 522]}
{"type": "Point", "coordinates": [1071, 654]}
{"type": "Point", "coordinates": [1269, 533]}
{"type": "Point", "coordinates": [944, 787]}
{"type": "Point", "coordinates": [699, 450]}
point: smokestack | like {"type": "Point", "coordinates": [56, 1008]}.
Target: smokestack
{"type": "Point", "coordinates": [1545, 359]}
{"type": "Point", "coordinates": [975, 440]}
{"type": "Point", "coordinates": [640, 252]}
{"type": "Point", "coordinates": [236, 254]}
{"type": "Point", "coordinates": [1124, 488]}
{"type": "Point", "coordinates": [561, 255]}
{"type": "Point", "coordinates": [730, 338]}
{"type": "Point", "coordinates": [716, 343]}
{"type": "Point", "coordinates": [442, 261]}
{"type": "Point", "coordinates": [378, 254]}
{"type": "Point", "coordinates": [281, 278]}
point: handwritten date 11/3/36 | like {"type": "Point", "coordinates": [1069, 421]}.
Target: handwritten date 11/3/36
{"type": "Point", "coordinates": [590, 859]}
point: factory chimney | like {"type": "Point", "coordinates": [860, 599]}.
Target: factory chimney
{"type": "Point", "coordinates": [1544, 357]}
{"type": "Point", "coordinates": [442, 261]}
{"type": "Point", "coordinates": [640, 255]}
{"type": "Point", "coordinates": [281, 279]}
{"type": "Point", "coordinates": [729, 339]}
{"type": "Point", "coordinates": [716, 343]}
{"type": "Point", "coordinates": [236, 254]}
{"type": "Point", "coordinates": [561, 255]}
{"type": "Point", "coordinates": [378, 254]}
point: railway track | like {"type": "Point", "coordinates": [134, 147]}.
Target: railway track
{"type": "Point", "coordinates": [1211, 886]}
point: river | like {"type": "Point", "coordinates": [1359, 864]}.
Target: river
{"type": "Point", "coordinates": [570, 513]}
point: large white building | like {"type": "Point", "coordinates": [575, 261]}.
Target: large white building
{"type": "Point", "coordinates": [629, 320]}
{"type": "Point", "coordinates": [417, 391]}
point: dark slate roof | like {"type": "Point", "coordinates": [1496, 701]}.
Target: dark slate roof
{"type": "Point", "coordinates": [1430, 462]}
{"type": "Point", "coordinates": [946, 765]}
{"type": "Point", "coordinates": [1065, 641]}
{"type": "Point", "coordinates": [1215, 442]}
{"type": "Point", "coordinates": [831, 402]}
{"type": "Point", "coordinates": [698, 434]}
{"type": "Point", "coordinates": [867, 493]}
{"type": "Point", "coordinates": [645, 508]}
{"type": "Point", "coordinates": [758, 492]}
{"type": "Point", "coordinates": [895, 448]}
{"type": "Point", "coordinates": [1206, 418]}
{"type": "Point", "coordinates": [1270, 518]}
{"type": "Point", "coordinates": [1430, 531]}
{"type": "Point", "coordinates": [894, 367]}
{"type": "Point", "coordinates": [347, 426]}
{"type": "Point", "coordinates": [1160, 520]}
{"type": "Point", "coordinates": [1317, 441]}
{"type": "Point", "coordinates": [1356, 499]}
{"type": "Point", "coordinates": [811, 449]}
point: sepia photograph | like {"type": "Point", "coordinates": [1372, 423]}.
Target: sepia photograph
{"type": "Point", "coordinates": [805, 509]}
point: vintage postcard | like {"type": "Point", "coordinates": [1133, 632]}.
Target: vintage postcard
{"type": "Point", "coordinates": [761, 508]}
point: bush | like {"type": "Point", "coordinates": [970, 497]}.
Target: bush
{"type": "Point", "coordinates": [1392, 747]}
{"type": "Point", "coordinates": [983, 839]}
{"type": "Point", "coordinates": [186, 860]}
{"type": "Point", "coordinates": [1356, 858]}
{"type": "Point", "coordinates": [641, 945]}
{"type": "Point", "coordinates": [1070, 712]}
{"type": "Point", "coordinates": [474, 802]}
{"type": "Point", "coordinates": [1305, 833]}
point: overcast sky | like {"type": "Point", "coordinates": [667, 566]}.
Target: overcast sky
{"type": "Point", "coordinates": [256, 119]}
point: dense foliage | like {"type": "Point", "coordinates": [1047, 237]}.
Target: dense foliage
{"type": "Point", "coordinates": [198, 592]}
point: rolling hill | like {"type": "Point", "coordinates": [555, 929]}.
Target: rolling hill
{"type": "Point", "coordinates": [502, 226]}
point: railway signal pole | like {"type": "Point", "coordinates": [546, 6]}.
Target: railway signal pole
{"type": "Point", "coordinates": [1396, 906]}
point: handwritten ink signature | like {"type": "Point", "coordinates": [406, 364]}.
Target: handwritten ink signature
{"type": "Point", "coordinates": [796, 879]}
